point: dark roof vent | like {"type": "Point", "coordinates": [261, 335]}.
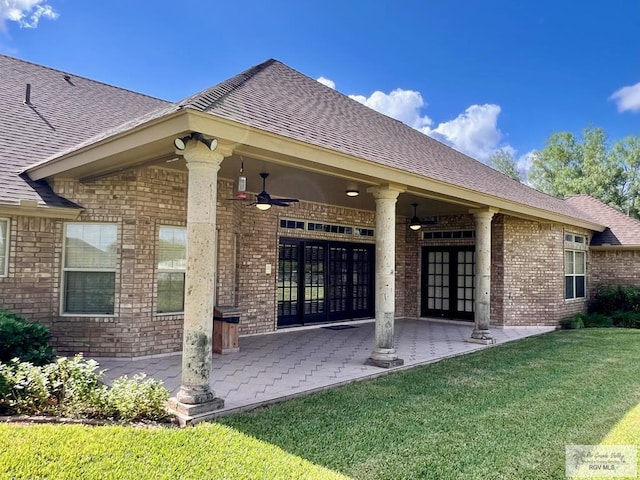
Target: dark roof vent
{"type": "Point", "coordinates": [68, 79]}
{"type": "Point", "coordinates": [27, 95]}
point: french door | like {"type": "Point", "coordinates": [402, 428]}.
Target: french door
{"type": "Point", "coordinates": [321, 281]}
{"type": "Point", "coordinates": [448, 282]}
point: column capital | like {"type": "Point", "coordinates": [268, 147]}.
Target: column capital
{"type": "Point", "coordinates": [389, 191]}
{"type": "Point", "coordinates": [198, 153]}
{"type": "Point", "coordinates": [487, 213]}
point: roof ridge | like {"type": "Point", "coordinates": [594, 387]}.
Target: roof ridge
{"type": "Point", "coordinates": [214, 94]}
{"type": "Point", "coordinates": [65, 72]}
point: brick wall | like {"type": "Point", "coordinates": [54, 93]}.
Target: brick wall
{"type": "Point", "coordinates": [614, 267]}
{"type": "Point", "coordinates": [409, 283]}
{"type": "Point", "coordinates": [497, 270]}
{"type": "Point", "coordinates": [527, 259]}
{"type": "Point", "coordinates": [139, 202]}
{"type": "Point", "coordinates": [30, 287]}
{"type": "Point", "coordinates": [533, 265]}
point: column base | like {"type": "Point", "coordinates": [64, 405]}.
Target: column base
{"type": "Point", "coordinates": [396, 362]}
{"type": "Point", "coordinates": [483, 337]}
{"type": "Point", "coordinates": [187, 414]}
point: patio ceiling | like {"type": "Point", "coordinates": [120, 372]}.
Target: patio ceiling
{"type": "Point", "coordinates": [325, 188]}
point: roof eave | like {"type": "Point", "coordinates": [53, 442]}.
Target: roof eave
{"type": "Point", "coordinates": [167, 127]}
{"type": "Point", "coordinates": [250, 136]}
{"type": "Point", "coordinates": [33, 209]}
{"type": "Point", "coordinates": [158, 129]}
{"type": "Point", "coordinates": [614, 247]}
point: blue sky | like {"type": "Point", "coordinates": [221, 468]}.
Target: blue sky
{"type": "Point", "coordinates": [479, 75]}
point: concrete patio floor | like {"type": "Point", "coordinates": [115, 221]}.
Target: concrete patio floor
{"type": "Point", "coordinates": [277, 366]}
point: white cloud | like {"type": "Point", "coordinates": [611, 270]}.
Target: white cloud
{"type": "Point", "coordinates": [26, 13]}
{"type": "Point", "coordinates": [474, 132]}
{"type": "Point", "coordinates": [329, 83]}
{"type": "Point", "coordinates": [627, 98]}
{"type": "Point", "coordinates": [403, 105]}
{"type": "Point", "coordinates": [524, 162]}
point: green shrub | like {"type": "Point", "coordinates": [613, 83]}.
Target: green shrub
{"type": "Point", "coordinates": [137, 398]}
{"type": "Point", "coordinates": [72, 387]}
{"type": "Point", "coordinates": [65, 387]}
{"type": "Point", "coordinates": [626, 319]}
{"type": "Point", "coordinates": [615, 298]}
{"type": "Point", "coordinates": [28, 341]}
{"type": "Point", "coordinates": [573, 322]}
{"type": "Point", "coordinates": [597, 320]}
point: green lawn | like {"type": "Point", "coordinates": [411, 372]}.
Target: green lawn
{"type": "Point", "coordinates": [503, 413]}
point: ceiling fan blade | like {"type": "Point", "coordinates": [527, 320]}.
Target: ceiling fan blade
{"type": "Point", "coordinates": [279, 202]}
{"type": "Point", "coordinates": [288, 200]}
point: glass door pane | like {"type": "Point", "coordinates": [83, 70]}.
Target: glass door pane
{"type": "Point", "coordinates": [287, 287]}
{"type": "Point", "coordinates": [314, 288]}
{"type": "Point", "coordinates": [338, 279]}
{"type": "Point", "coordinates": [466, 267]}
{"type": "Point", "coordinates": [362, 261]}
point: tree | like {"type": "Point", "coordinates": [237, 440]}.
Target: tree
{"type": "Point", "coordinates": [568, 165]}
{"type": "Point", "coordinates": [503, 161]}
{"type": "Point", "coordinates": [626, 154]}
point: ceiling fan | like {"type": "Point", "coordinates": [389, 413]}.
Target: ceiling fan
{"type": "Point", "coordinates": [264, 201]}
{"type": "Point", "coordinates": [416, 223]}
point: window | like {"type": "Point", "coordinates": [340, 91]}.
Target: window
{"type": "Point", "coordinates": [448, 234]}
{"type": "Point", "coordinates": [89, 268]}
{"type": "Point", "coordinates": [295, 224]}
{"type": "Point", "coordinates": [172, 262]}
{"type": "Point", "coordinates": [574, 274]}
{"type": "Point", "coordinates": [570, 237]}
{"type": "Point", "coordinates": [4, 246]}
{"type": "Point", "coordinates": [575, 265]}
{"type": "Point", "coordinates": [325, 227]}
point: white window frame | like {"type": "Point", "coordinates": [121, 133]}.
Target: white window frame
{"type": "Point", "coordinates": [573, 245]}
{"type": "Point", "coordinates": [66, 269]}
{"type": "Point", "coordinates": [169, 270]}
{"type": "Point", "coordinates": [5, 252]}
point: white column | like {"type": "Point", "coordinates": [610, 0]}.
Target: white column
{"type": "Point", "coordinates": [384, 354]}
{"type": "Point", "coordinates": [482, 307]}
{"type": "Point", "coordinates": [199, 297]}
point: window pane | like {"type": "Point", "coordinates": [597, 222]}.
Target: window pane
{"type": "Point", "coordinates": [568, 263]}
{"type": "Point", "coordinates": [90, 245]}
{"type": "Point", "coordinates": [172, 248]}
{"type": "Point", "coordinates": [569, 287]}
{"type": "Point", "coordinates": [4, 244]}
{"type": "Point", "coordinates": [89, 292]}
{"type": "Point", "coordinates": [170, 292]}
{"type": "Point", "coordinates": [579, 263]}
{"type": "Point", "coordinates": [580, 287]}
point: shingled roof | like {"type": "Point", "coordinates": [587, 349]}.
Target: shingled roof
{"type": "Point", "coordinates": [270, 96]}
{"type": "Point", "coordinates": [621, 230]}
{"type": "Point", "coordinates": [64, 111]}
{"type": "Point", "coordinates": [276, 98]}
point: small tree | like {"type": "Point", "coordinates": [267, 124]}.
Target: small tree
{"type": "Point", "coordinates": [503, 161]}
{"type": "Point", "coordinates": [568, 165]}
